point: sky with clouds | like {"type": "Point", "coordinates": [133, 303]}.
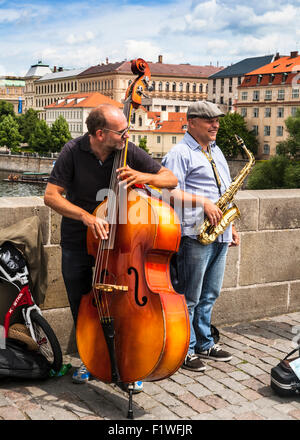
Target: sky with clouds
{"type": "Point", "coordinates": [82, 33]}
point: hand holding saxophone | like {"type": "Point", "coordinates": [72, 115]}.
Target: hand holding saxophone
{"type": "Point", "coordinates": [212, 211]}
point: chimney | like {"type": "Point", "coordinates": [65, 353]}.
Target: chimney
{"type": "Point", "coordinates": [54, 69]}
{"type": "Point", "coordinates": [294, 54]}
{"type": "Point", "coordinates": [60, 69]}
{"type": "Point", "coordinates": [160, 59]}
{"type": "Point", "coordinates": [277, 56]}
{"type": "Point", "coordinates": [106, 60]}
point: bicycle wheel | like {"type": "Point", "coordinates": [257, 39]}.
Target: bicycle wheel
{"type": "Point", "coordinates": [47, 340]}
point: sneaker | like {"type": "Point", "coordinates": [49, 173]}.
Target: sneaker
{"type": "Point", "coordinates": [215, 353]}
{"type": "Point", "coordinates": [81, 375]}
{"type": "Point", "coordinates": [193, 363]}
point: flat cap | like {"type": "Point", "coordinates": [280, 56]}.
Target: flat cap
{"type": "Point", "coordinates": [204, 109]}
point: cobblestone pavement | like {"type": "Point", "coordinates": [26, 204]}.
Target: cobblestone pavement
{"type": "Point", "coordinates": [236, 390]}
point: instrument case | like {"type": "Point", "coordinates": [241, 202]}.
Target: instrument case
{"type": "Point", "coordinates": [284, 381]}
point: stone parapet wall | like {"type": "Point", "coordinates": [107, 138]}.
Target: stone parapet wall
{"type": "Point", "coordinates": [262, 276]}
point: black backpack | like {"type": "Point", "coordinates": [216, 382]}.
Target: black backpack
{"type": "Point", "coordinates": [16, 361]}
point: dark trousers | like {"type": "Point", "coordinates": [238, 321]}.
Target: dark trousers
{"type": "Point", "coordinates": [77, 270]}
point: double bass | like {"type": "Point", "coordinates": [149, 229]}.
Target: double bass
{"type": "Point", "coordinates": [133, 325]}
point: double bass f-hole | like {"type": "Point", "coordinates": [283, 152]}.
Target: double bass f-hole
{"type": "Point", "coordinates": [136, 288]}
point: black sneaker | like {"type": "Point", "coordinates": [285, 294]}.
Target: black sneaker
{"type": "Point", "coordinates": [215, 353]}
{"type": "Point", "coordinates": [193, 363]}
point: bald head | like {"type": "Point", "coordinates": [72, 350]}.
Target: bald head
{"type": "Point", "coordinates": [102, 116]}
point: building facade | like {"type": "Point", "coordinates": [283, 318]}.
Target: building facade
{"type": "Point", "coordinates": [75, 109]}
{"type": "Point", "coordinates": [182, 82]}
{"type": "Point", "coordinates": [223, 85]}
{"type": "Point", "coordinates": [162, 130]}
{"type": "Point", "coordinates": [267, 96]}
{"type": "Point", "coordinates": [12, 90]}
{"type": "Point", "coordinates": [35, 72]}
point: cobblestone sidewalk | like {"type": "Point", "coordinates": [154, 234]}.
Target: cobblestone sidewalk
{"type": "Point", "coordinates": [237, 390]}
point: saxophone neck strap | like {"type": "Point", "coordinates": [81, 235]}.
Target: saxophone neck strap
{"type": "Point", "coordinates": [213, 165]}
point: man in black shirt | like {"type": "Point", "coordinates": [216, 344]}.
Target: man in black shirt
{"type": "Point", "coordinates": [82, 170]}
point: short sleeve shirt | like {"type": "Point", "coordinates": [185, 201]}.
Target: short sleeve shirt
{"type": "Point", "coordinates": [195, 175]}
{"type": "Point", "coordinates": [83, 177]}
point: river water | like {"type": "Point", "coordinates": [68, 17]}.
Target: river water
{"type": "Point", "coordinates": [14, 189]}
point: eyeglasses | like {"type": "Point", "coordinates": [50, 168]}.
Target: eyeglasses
{"type": "Point", "coordinates": [120, 133]}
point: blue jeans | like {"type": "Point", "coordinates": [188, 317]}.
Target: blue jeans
{"type": "Point", "coordinates": [201, 271]}
{"type": "Point", "coordinates": [77, 274]}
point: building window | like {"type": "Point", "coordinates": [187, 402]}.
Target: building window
{"type": "Point", "coordinates": [200, 88]}
{"type": "Point", "coordinates": [280, 112]}
{"type": "Point", "coordinates": [158, 139]}
{"type": "Point", "coordinates": [255, 95]}
{"type": "Point", "coordinates": [267, 130]}
{"type": "Point", "coordinates": [239, 80]}
{"type": "Point", "coordinates": [221, 100]}
{"type": "Point", "coordinates": [293, 111]}
{"type": "Point", "coordinates": [173, 139]}
{"type": "Point", "coordinates": [280, 94]}
{"type": "Point", "coordinates": [188, 87]}
{"type": "Point", "coordinates": [140, 121]}
{"type": "Point", "coordinates": [133, 138]}
{"type": "Point", "coordinates": [181, 87]}
{"type": "Point", "coordinates": [243, 111]}
{"type": "Point", "coordinates": [167, 87]}
{"type": "Point", "coordinates": [244, 96]}
{"type": "Point", "coordinates": [177, 108]}
{"type": "Point", "coordinates": [174, 87]}
{"type": "Point", "coordinates": [160, 86]}
{"type": "Point", "coordinates": [266, 149]}
{"type": "Point", "coordinates": [153, 86]}
{"type": "Point", "coordinates": [295, 93]}
{"type": "Point", "coordinates": [268, 95]}
{"type": "Point", "coordinates": [255, 129]}
{"type": "Point", "coordinates": [255, 112]}
{"type": "Point", "coordinates": [267, 112]}
{"type": "Point", "coordinates": [194, 88]}
{"type": "Point", "coordinates": [279, 130]}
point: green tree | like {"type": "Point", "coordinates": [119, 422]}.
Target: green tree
{"type": "Point", "coordinates": [40, 138]}
{"type": "Point", "coordinates": [269, 174]}
{"type": "Point", "coordinates": [143, 144]}
{"type": "Point", "coordinates": [291, 176]}
{"type": "Point", "coordinates": [27, 123]}
{"type": "Point", "coordinates": [60, 134]}
{"type": "Point", "coordinates": [291, 146]}
{"type": "Point", "coordinates": [6, 108]}
{"type": "Point", "coordinates": [9, 132]}
{"type": "Point", "coordinates": [231, 124]}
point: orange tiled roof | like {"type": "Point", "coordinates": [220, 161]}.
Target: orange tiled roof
{"type": "Point", "coordinates": [284, 64]}
{"type": "Point", "coordinates": [88, 100]}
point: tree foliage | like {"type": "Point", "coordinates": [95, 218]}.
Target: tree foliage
{"type": "Point", "coordinates": [6, 109]}
{"type": "Point", "coordinates": [277, 172]}
{"type": "Point", "coordinates": [27, 123]}
{"type": "Point", "coordinates": [231, 124]}
{"type": "Point", "coordinates": [60, 134]}
{"type": "Point", "coordinates": [143, 144]}
{"type": "Point", "coordinates": [9, 132]}
{"type": "Point", "coordinates": [291, 146]}
{"type": "Point", "coordinates": [40, 138]}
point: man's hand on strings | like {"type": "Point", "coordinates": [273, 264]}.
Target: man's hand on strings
{"type": "Point", "coordinates": [98, 226]}
{"type": "Point", "coordinates": [130, 177]}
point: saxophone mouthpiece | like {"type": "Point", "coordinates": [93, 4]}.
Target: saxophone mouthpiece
{"type": "Point", "coordinates": [239, 139]}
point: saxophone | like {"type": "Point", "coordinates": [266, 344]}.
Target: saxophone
{"type": "Point", "coordinates": [208, 233]}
